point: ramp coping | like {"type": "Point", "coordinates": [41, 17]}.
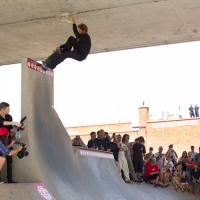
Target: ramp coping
{"type": "Point", "coordinates": [95, 153]}
{"type": "Point", "coordinates": [32, 64]}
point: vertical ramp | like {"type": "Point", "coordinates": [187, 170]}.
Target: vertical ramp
{"type": "Point", "coordinates": [68, 174]}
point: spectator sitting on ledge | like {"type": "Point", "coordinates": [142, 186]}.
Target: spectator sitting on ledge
{"type": "Point", "coordinates": [92, 143]}
{"type": "Point", "coordinates": [102, 142]}
{"type": "Point", "coordinates": [77, 141]}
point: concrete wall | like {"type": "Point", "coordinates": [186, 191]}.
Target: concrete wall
{"type": "Point", "coordinates": [181, 132]}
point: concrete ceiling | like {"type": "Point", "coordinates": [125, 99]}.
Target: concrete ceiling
{"type": "Point", "coordinates": [32, 28]}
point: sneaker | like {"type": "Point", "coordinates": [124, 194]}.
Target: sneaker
{"type": "Point", "coordinates": [44, 66]}
{"type": "Point", "coordinates": [1, 182]}
{"type": "Point", "coordinates": [129, 182]}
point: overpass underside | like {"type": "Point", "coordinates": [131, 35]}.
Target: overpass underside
{"type": "Point", "coordinates": [34, 28]}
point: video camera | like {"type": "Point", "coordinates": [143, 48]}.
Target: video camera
{"type": "Point", "coordinates": [22, 124]}
{"type": "Point", "coordinates": [24, 152]}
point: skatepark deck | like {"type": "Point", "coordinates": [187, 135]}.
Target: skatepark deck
{"type": "Point", "coordinates": [67, 173]}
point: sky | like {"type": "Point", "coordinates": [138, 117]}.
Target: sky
{"type": "Point", "coordinates": [109, 87]}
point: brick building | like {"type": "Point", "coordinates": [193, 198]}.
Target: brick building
{"type": "Point", "coordinates": [181, 132]}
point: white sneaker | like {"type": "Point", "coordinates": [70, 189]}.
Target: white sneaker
{"type": "Point", "coordinates": [44, 66]}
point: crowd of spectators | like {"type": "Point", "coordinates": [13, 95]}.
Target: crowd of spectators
{"type": "Point", "coordinates": [136, 165]}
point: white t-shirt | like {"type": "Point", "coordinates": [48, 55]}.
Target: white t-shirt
{"type": "Point", "coordinates": [168, 164]}
{"type": "Point", "coordinates": [160, 159]}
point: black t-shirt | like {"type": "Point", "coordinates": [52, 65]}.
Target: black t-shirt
{"type": "Point", "coordinates": [103, 144]}
{"type": "Point", "coordinates": [83, 44]}
{"type": "Point", "coordinates": [138, 151]}
{"type": "Point", "coordinates": [7, 118]}
{"type": "Point", "coordinates": [196, 174]}
{"type": "Point", "coordinates": [92, 143]}
{"type": "Point", "coordinates": [114, 150]}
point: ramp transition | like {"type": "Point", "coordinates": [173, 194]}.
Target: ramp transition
{"type": "Point", "coordinates": [69, 174]}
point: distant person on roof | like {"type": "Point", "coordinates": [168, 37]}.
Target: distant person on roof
{"type": "Point", "coordinates": [77, 47]}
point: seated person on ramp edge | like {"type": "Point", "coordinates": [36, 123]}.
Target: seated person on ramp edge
{"type": "Point", "coordinates": [76, 47]}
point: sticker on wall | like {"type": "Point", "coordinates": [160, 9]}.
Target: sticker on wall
{"type": "Point", "coordinates": [43, 191]}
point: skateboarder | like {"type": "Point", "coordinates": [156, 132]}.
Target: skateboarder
{"type": "Point", "coordinates": [76, 47]}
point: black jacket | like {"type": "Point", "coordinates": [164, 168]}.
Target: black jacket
{"type": "Point", "coordinates": [83, 44]}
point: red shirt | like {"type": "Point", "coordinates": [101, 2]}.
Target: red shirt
{"type": "Point", "coordinates": [4, 130]}
{"type": "Point", "coordinates": [150, 168]}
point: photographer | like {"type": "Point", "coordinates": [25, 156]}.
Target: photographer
{"type": "Point", "coordinates": [8, 129]}
{"type": "Point", "coordinates": [4, 151]}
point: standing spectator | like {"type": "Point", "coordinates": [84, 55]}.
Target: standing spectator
{"type": "Point", "coordinates": [172, 154]}
{"type": "Point", "coordinates": [122, 162]}
{"type": "Point", "coordinates": [182, 161]}
{"type": "Point", "coordinates": [114, 147]}
{"type": "Point", "coordinates": [151, 171]}
{"type": "Point", "coordinates": [191, 111]}
{"type": "Point", "coordinates": [160, 157]}
{"type": "Point", "coordinates": [196, 110]}
{"type": "Point", "coordinates": [149, 155]}
{"type": "Point", "coordinates": [7, 134]}
{"type": "Point", "coordinates": [190, 163]}
{"type": "Point", "coordinates": [138, 157]}
{"type": "Point", "coordinates": [102, 142]}
{"type": "Point", "coordinates": [92, 142]}
{"type": "Point", "coordinates": [194, 153]}
{"type": "Point", "coordinates": [125, 140]}
{"type": "Point", "coordinates": [196, 178]}
{"type": "Point", "coordinates": [78, 142]}
{"type": "Point", "coordinates": [197, 158]}
{"type": "Point", "coordinates": [107, 136]}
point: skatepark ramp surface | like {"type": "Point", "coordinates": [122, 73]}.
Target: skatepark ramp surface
{"type": "Point", "coordinates": [66, 173]}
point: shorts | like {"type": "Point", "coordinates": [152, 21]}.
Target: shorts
{"type": "Point", "coordinates": [138, 166]}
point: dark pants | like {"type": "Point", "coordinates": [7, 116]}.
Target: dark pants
{"type": "Point", "coordinates": [150, 178]}
{"type": "Point", "coordinates": [66, 52]}
{"type": "Point", "coordinates": [9, 160]}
